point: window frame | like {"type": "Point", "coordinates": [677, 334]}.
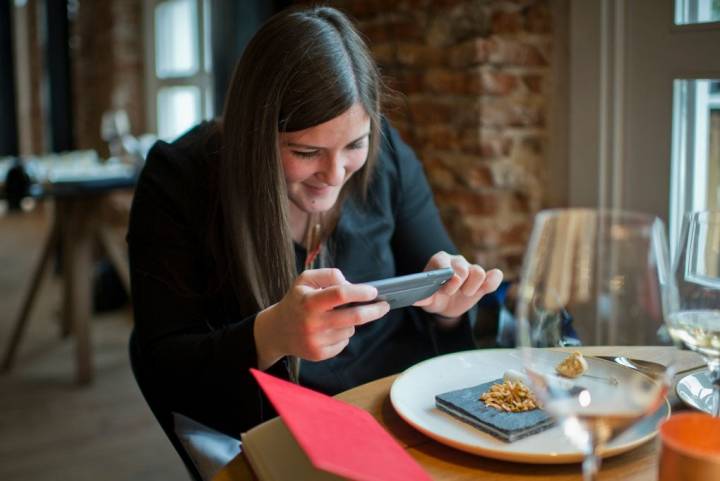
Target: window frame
{"type": "Point", "coordinates": [615, 69]}
{"type": "Point", "coordinates": [202, 78]}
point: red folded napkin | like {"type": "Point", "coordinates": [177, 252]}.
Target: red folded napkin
{"type": "Point", "coordinates": [338, 437]}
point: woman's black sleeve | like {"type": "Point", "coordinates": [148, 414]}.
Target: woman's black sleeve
{"type": "Point", "coordinates": [420, 233]}
{"type": "Point", "coordinates": [201, 370]}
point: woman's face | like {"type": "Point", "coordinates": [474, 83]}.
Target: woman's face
{"type": "Point", "coordinates": [319, 160]}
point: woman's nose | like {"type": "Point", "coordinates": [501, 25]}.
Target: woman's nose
{"type": "Point", "coordinates": [333, 172]}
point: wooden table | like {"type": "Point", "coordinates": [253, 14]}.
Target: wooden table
{"type": "Point", "coordinates": [79, 221]}
{"type": "Point", "coordinates": [447, 464]}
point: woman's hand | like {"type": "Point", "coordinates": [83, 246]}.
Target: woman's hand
{"type": "Point", "coordinates": [305, 322]}
{"type": "Point", "coordinates": [464, 289]}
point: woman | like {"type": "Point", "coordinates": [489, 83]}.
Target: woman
{"type": "Point", "coordinates": [302, 174]}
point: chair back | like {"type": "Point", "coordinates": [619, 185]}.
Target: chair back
{"type": "Point", "coordinates": [162, 413]}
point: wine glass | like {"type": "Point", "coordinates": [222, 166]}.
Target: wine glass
{"type": "Point", "coordinates": [694, 313]}
{"type": "Point", "coordinates": [593, 278]}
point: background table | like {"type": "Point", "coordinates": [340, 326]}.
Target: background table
{"type": "Point", "coordinates": [444, 463]}
{"type": "Point", "coordinates": [81, 192]}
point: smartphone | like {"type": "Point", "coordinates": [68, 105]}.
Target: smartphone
{"type": "Point", "coordinates": [403, 291]}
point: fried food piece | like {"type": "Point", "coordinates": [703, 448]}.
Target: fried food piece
{"type": "Point", "coordinates": [572, 366]}
{"type": "Point", "coordinates": [509, 396]}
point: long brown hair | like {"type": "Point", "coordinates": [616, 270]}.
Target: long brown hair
{"type": "Point", "coordinates": [302, 68]}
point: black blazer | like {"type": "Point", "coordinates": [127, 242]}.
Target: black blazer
{"type": "Point", "coordinates": [197, 336]}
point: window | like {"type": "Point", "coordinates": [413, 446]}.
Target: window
{"type": "Point", "coordinates": [179, 73]}
{"type": "Point", "coordinates": [696, 11]}
{"type": "Point", "coordinates": [695, 164]}
{"type": "Point", "coordinates": [643, 108]}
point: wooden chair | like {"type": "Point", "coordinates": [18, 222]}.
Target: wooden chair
{"type": "Point", "coordinates": [162, 413]}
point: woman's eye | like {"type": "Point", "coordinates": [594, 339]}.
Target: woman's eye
{"type": "Point", "coordinates": [305, 154]}
{"type": "Point", "coordinates": [360, 144]}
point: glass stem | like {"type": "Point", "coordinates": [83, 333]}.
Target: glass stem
{"type": "Point", "coordinates": [591, 466]}
{"type": "Point", "coordinates": [714, 368]}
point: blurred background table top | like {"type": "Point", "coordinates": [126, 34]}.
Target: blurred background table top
{"type": "Point", "coordinates": [80, 186]}
{"type": "Point", "coordinates": [69, 173]}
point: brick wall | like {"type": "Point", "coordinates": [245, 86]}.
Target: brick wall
{"type": "Point", "coordinates": [29, 59]}
{"type": "Point", "coordinates": [107, 55]}
{"type": "Point", "coordinates": [475, 81]}
{"type": "Point", "coordinates": [107, 52]}
{"type": "Point", "coordinates": [476, 78]}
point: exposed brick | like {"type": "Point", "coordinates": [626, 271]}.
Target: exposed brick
{"type": "Point", "coordinates": [479, 176]}
{"type": "Point", "coordinates": [443, 4]}
{"type": "Point", "coordinates": [471, 140]}
{"type": "Point", "coordinates": [464, 21]}
{"type": "Point", "coordinates": [474, 74]}
{"type": "Point", "coordinates": [534, 83]}
{"type": "Point", "coordinates": [506, 22]}
{"type": "Point", "coordinates": [375, 32]}
{"type": "Point", "coordinates": [407, 81]}
{"type": "Point", "coordinates": [406, 29]}
{"type": "Point", "coordinates": [504, 51]}
{"type": "Point", "coordinates": [495, 146]}
{"type": "Point", "coordinates": [497, 82]}
{"type": "Point", "coordinates": [484, 143]}
{"type": "Point", "coordinates": [521, 202]}
{"type": "Point", "coordinates": [361, 8]}
{"type": "Point", "coordinates": [508, 175]}
{"type": "Point", "coordinates": [108, 67]}
{"type": "Point", "coordinates": [466, 54]}
{"type": "Point", "coordinates": [459, 232]}
{"type": "Point", "coordinates": [383, 53]}
{"type": "Point", "coordinates": [440, 177]}
{"type": "Point", "coordinates": [419, 55]}
{"type": "Point", "coordinates": [456, 162]}
{"type": "Point", "coordinates": [488, 258]}
{"type": "Point", "coordinates": [516, 234]}
{"type": "Point", "coordinates": [443, 80]}
{"type": "Point", "coordinates": [404, 129]}
{"type": "Point", "coordinates": [538, 18]}
{"type": "Point", "coordinates": [427, 111]}
{"type": "Point", "coordinates": [484, 235]}
{"type": "Point", "coordinates": [446, 81]}
{"type": "Point", "coordinates": [544, 47]}
{"type": "Point", "coordinates": [532, 144]}
{"type": "Point", "coordinates": [512, 263]}
{"type": "Point", "coordinates": [465, 170]}
{"type": "Point", "coordinates": [509, 260]}
{"type": "Point", "coordinates": [515, 112]}
{"type": "Point", "coordinates": [471, 203]}
{"type": "Point", "coordinates": [413, 5]}
{"type": "Point", "coordinates": [438, 136]}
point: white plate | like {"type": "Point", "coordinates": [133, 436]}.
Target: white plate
{"type": "Point", "coordinates": [413, 397]}
{"type": "Point", "coordinates": [696, 391]}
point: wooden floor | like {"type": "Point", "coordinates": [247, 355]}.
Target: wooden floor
{"type": "Point", "coordinates": [51, 429]}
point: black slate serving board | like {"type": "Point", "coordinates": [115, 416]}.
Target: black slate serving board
{"type": "Point", "coordinates": [465, 404]}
